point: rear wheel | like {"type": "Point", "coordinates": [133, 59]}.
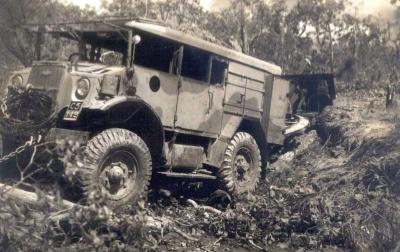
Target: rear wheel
{"type": "Point", "coordinates": [241, 169]}
{"type": "Point", "coordinates": [117, 168]}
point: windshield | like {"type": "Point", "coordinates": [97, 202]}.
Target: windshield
{"type": "Point", "coordinates": [96, 47]}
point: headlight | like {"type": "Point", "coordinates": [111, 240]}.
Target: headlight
{"type": "Point", "coordinates": [82, 88]}
{"type": "Point", "coordinates": [17, 81]}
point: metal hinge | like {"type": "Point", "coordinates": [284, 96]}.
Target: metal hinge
{"type": "Point", "coordinates": [179, 82]}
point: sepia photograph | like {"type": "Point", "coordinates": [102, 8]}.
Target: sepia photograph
{"type": "Point", "coordinates": [200, 125]}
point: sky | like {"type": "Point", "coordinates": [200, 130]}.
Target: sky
{"type": "Point", "coordinates": [380, 8]}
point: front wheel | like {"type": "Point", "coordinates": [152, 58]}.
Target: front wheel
{"type": "Point", "coordinates": [117, 168]}
{"type": "Point", "coordinates": [241, 169]}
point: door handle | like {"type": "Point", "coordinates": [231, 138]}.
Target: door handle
{"type": "Point", "coordinates": [210, 101]}
{"type": "Point", "coordinates": [240, 101]}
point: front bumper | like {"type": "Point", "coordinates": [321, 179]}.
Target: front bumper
{"type": "Point", "coordinates": [58, 134]}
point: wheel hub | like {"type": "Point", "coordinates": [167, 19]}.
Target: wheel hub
{"type": "Point", "coordinates": [242, 166]}
{"type": "Point", "coordinates": [116, 173]}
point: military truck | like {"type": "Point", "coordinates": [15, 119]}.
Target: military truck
{"type": "Point", "coordinates": [173, 106]}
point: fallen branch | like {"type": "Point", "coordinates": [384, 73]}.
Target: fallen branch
{"type": "Point", "coordinates": [283, 190]}
{"type": "Point", "coordinates": [156, 222]}
{"type": "Point", "coordinates": [188, 237]}
{"type": "Point", "coordinates": [30, 198]}
{"type": "Point", "coordinates": [161, 223]}
{"type": "Point", "coordinates": [256, 246]}
{"type": "Point", "coordinates": [205, 208]}
{"type": "Point", "coordinates": [326, 143]}
{"type": "Point", "coordinates": [218, 240]}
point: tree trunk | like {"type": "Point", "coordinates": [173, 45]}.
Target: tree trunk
{"type": "Point", "coordinates": [244, 38]}
{"type": "Point", "coordinates": [332, 62]}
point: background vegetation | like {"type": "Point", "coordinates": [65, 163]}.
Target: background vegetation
{"type": "Point", "coordinates": [362, 52]}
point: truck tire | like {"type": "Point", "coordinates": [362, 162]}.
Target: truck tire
{"type": "Point", "coordinates": [117, 168]}
{"type": "Point", "coordinates": [241, 169]}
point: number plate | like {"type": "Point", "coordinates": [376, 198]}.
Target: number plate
{"type": "Point", "coordinates": [73, 111]}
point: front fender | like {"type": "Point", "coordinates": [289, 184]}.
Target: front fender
{"type": "Point", "coordinates": [107, 105]}
{"type": "Point", "coordinates": [132, 113]}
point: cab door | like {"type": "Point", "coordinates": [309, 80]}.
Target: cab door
{"type": "Point", "coordinates": [159, 89]}
{"type": "Point", "coordinates": [201, 93]}
{"type": "Point", "coordinates": [157, 67]}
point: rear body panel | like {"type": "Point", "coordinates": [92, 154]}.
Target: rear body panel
{"type": "Point", "coordinates": [259, 96]}
{"type": "Point", "coordinates": [244, 91]}
{"type": "Point", "coordinates": [275, 109]}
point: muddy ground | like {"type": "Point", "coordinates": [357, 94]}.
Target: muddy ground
{"type": "Point", "coordinates": [338, 190]}
{"type": "Point", "coordinates": [335, 193]}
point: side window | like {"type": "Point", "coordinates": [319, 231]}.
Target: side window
{"type": "Point", "coordinates": [218, 69]}
{"type": "Point", "coordinates": [195, 64]}
{"type": "Point", "coordinates": [175, 63]}
{"type": "Point", "coordinates": [155, 53]}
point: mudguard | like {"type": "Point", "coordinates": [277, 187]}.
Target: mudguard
{"type": "Point", "coordinates": [132, 113]}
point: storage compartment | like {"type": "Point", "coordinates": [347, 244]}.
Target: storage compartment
{"type": "Point", "coordinates": [183, 158]}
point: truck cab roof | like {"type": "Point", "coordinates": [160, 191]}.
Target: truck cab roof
{"type": "Point", "coordinates": [114, 31]}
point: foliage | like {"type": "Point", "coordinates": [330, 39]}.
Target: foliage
{"type": "Point", "coordinates": [20, 42]}
{"type": "Point", "coordinates": [363, 52]}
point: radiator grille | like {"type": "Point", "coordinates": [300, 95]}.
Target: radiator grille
{"type": "Point", "coordinates": [47, 77]}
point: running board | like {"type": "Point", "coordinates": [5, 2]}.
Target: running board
{"type": "Point", "coordinates": [187, 175]}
